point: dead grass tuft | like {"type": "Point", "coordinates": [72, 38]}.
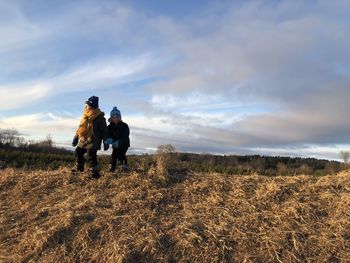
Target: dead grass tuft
{"type": "Point", "coordinates": [157, 217]}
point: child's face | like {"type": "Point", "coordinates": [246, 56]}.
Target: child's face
{"type": "Point", "coordinates": [87, 108]}
{"type": "Point", "coordinates": [115, 119]}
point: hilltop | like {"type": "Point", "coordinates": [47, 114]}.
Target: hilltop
{"type": "Point", "coordinates": [51, 216]}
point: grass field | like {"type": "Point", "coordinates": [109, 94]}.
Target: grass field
{"type": "Point", "coordinates": [52, 216]}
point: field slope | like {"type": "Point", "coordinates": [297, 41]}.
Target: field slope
{"type": "Point", "coordinates": [184, 217]}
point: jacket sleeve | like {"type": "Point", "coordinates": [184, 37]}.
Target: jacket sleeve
{"type": "Point", "coordinates": [104, 130]}
{"type": "Point", "coordinates": [100, 132]}
{"type": "Point", "coordinates": [125, 132]}
{"type": "Point", "coordinates": [108, 131]}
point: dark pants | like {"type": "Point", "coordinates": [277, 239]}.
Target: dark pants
{"type": "Point", "coordinates": [119, 155]}
{"type": "Point", "coordinates": [91, 157]}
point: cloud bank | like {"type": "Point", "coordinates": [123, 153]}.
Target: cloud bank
{"type": "Point", "coordinates": [229, 77]}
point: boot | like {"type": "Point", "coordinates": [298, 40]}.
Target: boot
{"type": "Point", "coordinates": [124, 168]}
{"type": "Point", "coordinates": [95, 172]}
{"type": "Point", "coordinates": [78, 168]}
{"type": "Point", "coordinates": [112, 168]}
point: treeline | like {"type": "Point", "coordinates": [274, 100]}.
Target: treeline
{"type": "Point", "coordinates": [243, 165]}
{"type": "Point", "coordinates": [16, 152]}
{"type": "Point", "coordinates": [250, 164]}
{"type": "Point", "coordinates": [22, 158]}
{"type": "Point", "coordinates": [11, 139]}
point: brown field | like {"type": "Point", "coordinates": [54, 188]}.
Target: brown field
{"type": "Point", "coordinates": [185, 217]}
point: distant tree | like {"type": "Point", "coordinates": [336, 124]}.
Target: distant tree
{"type": "Point", "coordinates": [46, 144]}
{"type": "Point", "coordinates": [345, 155]}
{"type": "Point", "coordinates": [10, 137]}
{"type": "Point", "coordinates": [165, 149]}
{"type": "Point", "coordinates": [49, 140]}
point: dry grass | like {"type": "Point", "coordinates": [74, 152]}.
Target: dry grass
{"type": "Point", "coordinates": [54, 217]}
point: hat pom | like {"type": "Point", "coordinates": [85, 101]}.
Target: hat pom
{"type": "Point", "coordinates": [115, 112]}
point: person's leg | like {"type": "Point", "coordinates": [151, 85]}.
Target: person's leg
{"type": "Point", "coordinates": [79, 159]}
{"type": "Point", "coordinates": [93, 163]}
{"type": "Point", "coordinates": [113, 162]}
{"type": "Point", "coordinates": [123, 162]}
{"type": "Point", "coordinates": [92, 157]}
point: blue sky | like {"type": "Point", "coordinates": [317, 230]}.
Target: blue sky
{"type": "Point", "coordinates": [225, 77]}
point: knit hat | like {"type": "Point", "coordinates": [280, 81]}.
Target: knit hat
{"type": "Point", "coordinates": [92, 102]}
{"type": "Point", "coordinates": [115, 112]}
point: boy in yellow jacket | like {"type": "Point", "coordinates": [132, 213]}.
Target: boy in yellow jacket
{"type": "Point", "coordinates": [88, 138]}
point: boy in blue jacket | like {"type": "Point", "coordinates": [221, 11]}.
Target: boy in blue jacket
{"type": "Point", "coordinates": [118, 137]}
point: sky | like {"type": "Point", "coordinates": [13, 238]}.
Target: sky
{"type": "Point", "coordinates": [222, 77]}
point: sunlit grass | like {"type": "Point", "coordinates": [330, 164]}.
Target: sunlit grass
{"type": "Point", "coordinates": [162, 217]}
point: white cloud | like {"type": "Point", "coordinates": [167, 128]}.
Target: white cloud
{"type": "Point", "coordinates": [42, 52]}
{"type": "Point", "coordinates": [40, 124]}
{"type": "Point", "coordinates": [185, 133]}
{"type": "Point", "coordinates": [22, 26]}
{"type": "Point", "coordinates": [94, 75]}
{"type": "Point", "coordinates": [22, 95]}
{"type": "Point", "coordinates": [16, 31]}
{"type": "Point", "coordinates": [103, 73]}
{"type": "Point", "coordinates": [321, 152]}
